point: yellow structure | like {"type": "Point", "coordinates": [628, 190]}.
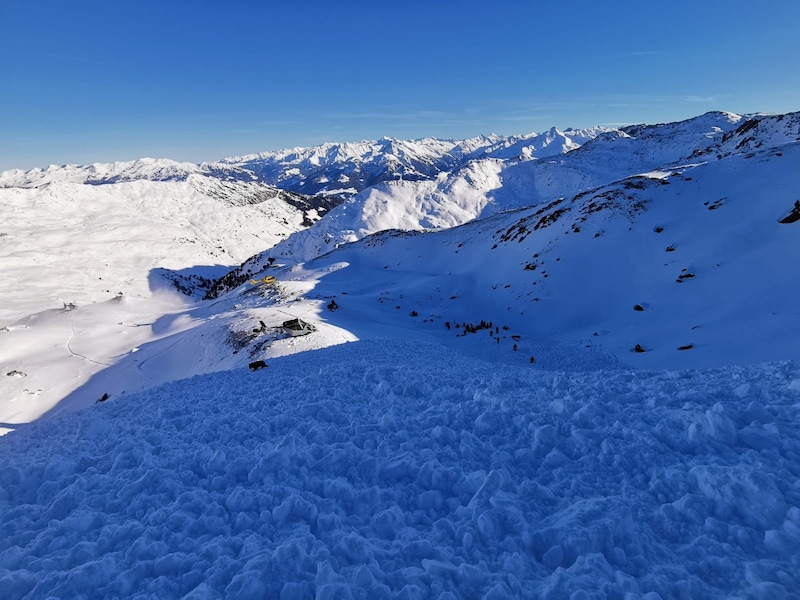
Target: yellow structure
{"type": "Point", "coordinates": [269, 279]}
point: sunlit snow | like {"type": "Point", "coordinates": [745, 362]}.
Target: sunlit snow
{"type": "Point", "coordinates": [571, 374]}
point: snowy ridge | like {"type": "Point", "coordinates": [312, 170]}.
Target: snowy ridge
{"type": "Point", "coordinates": [550, 143]}
{"type": "Point", "coordinates": [759, 132]}
{"type": "Point", "coordinates": [150, 169]}
{"type": "Point", "coordinates": [447, 201]}
{"type": "Point", "coordinates": [641, 148]}
{"type": "Point", "coordinates": [350, 168]}
{"type": "Point", "coordinates": [514, 180]}
{"type": "Point", "coordinates": [144, 169]}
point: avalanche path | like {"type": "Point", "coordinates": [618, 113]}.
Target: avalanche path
{"type": "Point", "coordinates": [398, 469]}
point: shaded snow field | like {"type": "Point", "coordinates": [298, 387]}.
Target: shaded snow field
{"type": "Point", "coordinates": [398, 469]}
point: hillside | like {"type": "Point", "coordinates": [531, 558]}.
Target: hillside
{"type": "Point", "coordinates": [485, 186]}
{"type": "Point", "coordinates": [104, 230]}
{"type": "Point", "coordinates": [91, 256]}
{"type": "Point", "coordinates": [557, 375]}
{"type": "Point", "coordinates": [682, 256]}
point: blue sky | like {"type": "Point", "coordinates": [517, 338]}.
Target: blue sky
{"type": "Point", "coordinates": [90, 81]}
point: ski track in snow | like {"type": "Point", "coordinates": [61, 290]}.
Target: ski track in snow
{"type": "Point", "coordinates": [396, 469]}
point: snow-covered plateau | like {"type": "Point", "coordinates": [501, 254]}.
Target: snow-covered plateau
{"type": "Point", "coordinates": [561, 365]}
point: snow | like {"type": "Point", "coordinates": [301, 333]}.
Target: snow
{"type": "Point", "coordinates": [468, 419]}
{"type": "Point", "coordinates": [508, 173]}
{"type": "Point", "coordinates": [114, 254]}
{"type": "Point", "coordinates": [444, 202]}
{"type": "Point", "coordinates": [151, 169]}
{"type": "Point", "coordinates": [366, 164]}
{"type": "Point", "coordinates": [394, 468]}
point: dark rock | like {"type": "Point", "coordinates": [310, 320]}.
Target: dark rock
{"type": "Point", "coordinates": [793, 216]}
{"type": "Point", "coordinates": [258, 364]}
{"type": "Point", "coordinates": [638, 348]}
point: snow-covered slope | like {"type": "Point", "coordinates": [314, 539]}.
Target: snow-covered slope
{"type": "Point", "coordinates": [681, 263]}
{"type": "Point", "coordinates": [719, 237]}
{"type": "Point", "coordinates": [104, 226]}
{"type": "Point", "coordinates": [761, 131]}
{"type": "Point", "coordinates": [398, 469]}
{"type": "Point", "coordinates": [448, 200]}
{"type": "Point", "coordinates": [530, 171]}
{"type": "Point", "coordinates": [113, 240]}
{"type": "Point", "coordinates": [693, 258]}
{"type": "Point", "coordinates": [566, 397]}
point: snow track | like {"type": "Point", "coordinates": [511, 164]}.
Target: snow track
{"type": "Point", "coordinates": [78, 354]}
{"type": "Point", "coordinates": [396, 469]}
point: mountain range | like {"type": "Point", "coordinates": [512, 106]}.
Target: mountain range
{"type": "Point", "coordinates": [557, 365]}
{"type": "Point", "coordinates": [676, 219]}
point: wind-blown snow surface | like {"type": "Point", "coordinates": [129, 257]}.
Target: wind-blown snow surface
{"type": "Point", "coordinates": [396, 469]}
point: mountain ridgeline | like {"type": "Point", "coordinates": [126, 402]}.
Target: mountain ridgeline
{"type": "Point", "coordinates": [346, 169]}
{"type": "Point", "coordinates": [493, 175]}
{"type": "Point", "coordinates": [696, 213]}
{"type": "Point", "coordinates": [537, 366]}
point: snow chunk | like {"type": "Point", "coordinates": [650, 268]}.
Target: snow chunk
{"type": "Point", "coordinates": [741, 493]}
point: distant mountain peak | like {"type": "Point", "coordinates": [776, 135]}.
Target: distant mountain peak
{"type": "Point", "coordinates": [345, 169]}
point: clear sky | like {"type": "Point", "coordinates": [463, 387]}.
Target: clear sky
{"type": "Point", "coordinates": [96, 81]}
